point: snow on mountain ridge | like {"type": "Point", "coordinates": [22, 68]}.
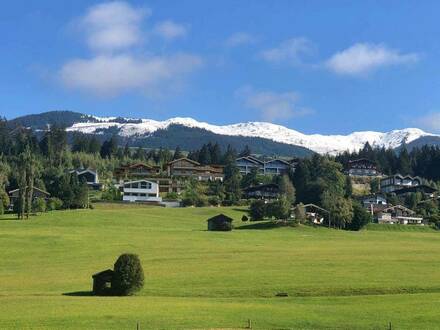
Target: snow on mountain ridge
{"type": "Point", "coordinates": [331, 144]}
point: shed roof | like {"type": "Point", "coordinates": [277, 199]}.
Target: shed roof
{"type": "Point", "coordinates": [108, 273]}
{"type": "Point", "coordinates": [221, 217]}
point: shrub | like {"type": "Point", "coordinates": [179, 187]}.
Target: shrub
{"type": "Point", "coordinates": [4, 199]}
{"type": "Point", "coordinates": [128, 275]}
{"type": "Point", "coordinates": [214, 200]}
{"type": "Point", "coordinates": [361, 217]}
{"type": "Point", "coordinates": [257, 210]}
{"type": "Point", "coordinates": [2, 210]}
{"type": "Point", "coordinates": [172, 196]}
{"type": "Point", "coordinates": [54, 204]}
{"type": "Point", "coordinates": [39, 205]}
{"type": "Point", "coordinates": [244, 218]}
{"type": "Point", "coordinates": [300, 213]}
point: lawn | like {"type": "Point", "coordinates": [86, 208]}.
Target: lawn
{"type": "Point", "coordinates": [199, 279]}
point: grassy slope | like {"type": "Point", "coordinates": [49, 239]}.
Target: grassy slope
{"type": "Point", "coordinates": [204, 279]}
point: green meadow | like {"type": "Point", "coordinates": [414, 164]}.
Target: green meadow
{"type": "Point", "coordinates": [197, 279]}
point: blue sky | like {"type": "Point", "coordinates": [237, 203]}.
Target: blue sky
{"type": "Point", "coordinates": [314, 66]}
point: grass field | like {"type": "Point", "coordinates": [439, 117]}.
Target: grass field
{"type": "Point", "coordinates": [199, 279]}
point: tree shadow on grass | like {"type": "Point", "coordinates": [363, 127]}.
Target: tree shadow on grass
{"type": "Point", "coordinates": [79, 294]}
{"type": "Point", "coordinates": [10, 217]}
{"type": "Point", "coordinates": [260, 225]}
{"type": "Point", "coordinates": [240, 209]}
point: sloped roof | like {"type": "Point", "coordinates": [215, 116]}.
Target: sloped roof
{"type": "Point", "coordinates": [221, 217]}
{"type": "Point", "coordinates": [185, 159]}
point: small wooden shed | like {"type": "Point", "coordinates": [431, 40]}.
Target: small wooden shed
{"type": "Point", "coordinates": [102, 282]}
{"type": "Point", "coordinates": [220, 222]}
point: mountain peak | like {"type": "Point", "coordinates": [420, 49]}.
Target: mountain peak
{"type": "Point", "coordinates": [331, 144]}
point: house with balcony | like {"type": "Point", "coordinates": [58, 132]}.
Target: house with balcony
{"type": "Point", "coordinates": [277, 167]}
{"type": "Point", "coordinates": [269, 167]}
{"type": "Point", "coordinates": [185, 167]}
{"type": "Point", "coordinates": [396, 182]}
{"type": "Point", "coordinates": [397, 214]}
{"type": "Point", "coordinates": [140, 191]}
{"type": "Point", "coordinates": [247, 164]}
{"type": "Point", "coordinates": [362, 167]}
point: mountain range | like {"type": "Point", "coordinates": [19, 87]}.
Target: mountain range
{"type": "Point", "coordinates": [261, 137]}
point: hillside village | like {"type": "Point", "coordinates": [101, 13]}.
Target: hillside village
{"type": "Point", "coordinates": [347, 191]}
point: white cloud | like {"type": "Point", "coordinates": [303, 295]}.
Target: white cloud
{"type": "Point", "coordinates": [112, 30]}
{"type": "Point", "coordinates": [113, 26]}
{"type": "Point", "coordinates": [273, 106]}
{"type": "Point", "coordinates": [290, 51]}
{"type": "Point", "coordinates": [111, 75]}
{"type": "Point", "coordinates": [430, 122]}
{"type": "Point", "coordinates": [170, 30]}
{"type": "Point", "coordinates": [363, 58]}
{"type": "Point", "coordinates": [239, 39]}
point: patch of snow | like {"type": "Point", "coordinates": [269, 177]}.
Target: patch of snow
{"type": "Point", "coordinates": [331, 144]}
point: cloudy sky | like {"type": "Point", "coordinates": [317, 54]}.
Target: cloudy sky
{"type": "Point", "coordinates": [314, 66]}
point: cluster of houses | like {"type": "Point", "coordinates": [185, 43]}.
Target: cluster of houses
{"type": "Point", "coordinates": [399, 185]}
{"type": "Point", "coordinates": [142, 182]}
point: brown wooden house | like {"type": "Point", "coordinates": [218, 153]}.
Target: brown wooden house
{"type": "Point", "coordinates": [185, 167]}
{"type": "Point", "coordinates": [136, 171]}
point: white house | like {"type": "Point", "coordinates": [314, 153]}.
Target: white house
{"type": "Point", "coordinates": [141, 191]}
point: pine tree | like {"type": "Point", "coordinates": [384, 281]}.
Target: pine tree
{"type": "Point", "coordinates": [177, 153]}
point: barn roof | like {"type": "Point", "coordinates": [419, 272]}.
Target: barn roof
{"type": "Point", "coordinates": [108, 273]}
{"type": "Point", "coordinates": [220, 217]}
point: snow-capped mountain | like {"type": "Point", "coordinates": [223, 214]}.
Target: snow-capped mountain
{"type": "Point", "coordinates": [322, 144]}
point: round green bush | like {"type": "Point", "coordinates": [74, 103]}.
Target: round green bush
{"type": "Point", "coordinates": [128, 275]}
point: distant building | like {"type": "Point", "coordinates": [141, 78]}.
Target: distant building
{"type": "Point", "coordinates": [262, 191]}
{"type": "Point", "coordinates": [362, 167]}
{"type": "Point", "coordinates": [185, 167]}
{"type": "Point", "coordinates": [277, 167]}
{"type": "Point", "coordinates": [427, 191]}
{"type": "Point", "coordinates": [88, 176]}
{"type": "Point", "coordinates": [141, 191]}
{"type": "Point", "coordinates": [14, 195]}
{"type": "Point", "coordinates": [395, 182]}
{"type": "Point", "coordinates": [220, 222]}
{"type": "Point", "coordinates": [271, 167]}
{"type": "Point", "coordinates": [136, 171]}
{"type": "Point", "coordinates": [397, 215]}
{"type": "Point", "coordinates": [374, 200]}
{"type": "Point", "coordinates": [247, 164]}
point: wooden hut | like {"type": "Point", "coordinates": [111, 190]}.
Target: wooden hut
{"type": "Point", "coordinates": [220, 222]}
{"type": "Point", "coordinates": [102, 282]}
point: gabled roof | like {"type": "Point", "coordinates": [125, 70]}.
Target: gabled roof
{"type": "Point", "coordinates": [400, 176]}
{"type": "Point", "coordinates": [35, 188]}
{"type": "Point", "coordinates": [82, 171]}
{"type": "Point", "coordinates": [108, 273]}
{"type": "Point", "coordinates": [184, 159]}
{"type": "Point", "coordinates": [306, 206]}
{"type": "Point", "coordinates": [278, 160]}
{"type": "Point", "coordinates": [251, 159]}
{"type": "Point", "coordinates": [139, 164]}
{"type": "Point", "coordinates": [221, 217]}
{"type": "Point", "coordinates": [400, 207]}
{"type": "Point", "coordinates": [136, 181]}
